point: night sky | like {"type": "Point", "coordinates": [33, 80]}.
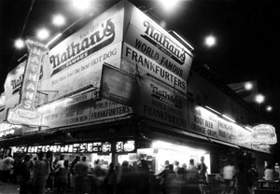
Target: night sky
{"type": "Point", "coordinates": [247, 34]}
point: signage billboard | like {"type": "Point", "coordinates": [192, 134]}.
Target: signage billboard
{"type": "Point", "coordinates": [149, 38]}
{"type": "Point", "coordinates": [264, 134]}
{"type": "Point", "coordinates": [79, 58]}
{"type": "Point", "coordinates": [117, 85]}
{"type": "Point", "coordinates": [25, 113]}
{"type": "Point", "coordinates": [79, 109]}
{"type": "Point", "coordinates": [211, 125]}
{"type": "Point", "coordinates": [160, 102]}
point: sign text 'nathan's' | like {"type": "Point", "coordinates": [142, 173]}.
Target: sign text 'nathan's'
{"type": "Point", "coordinates": [25, 113]}
{"type": "Point", "coordinates": [88, 45]}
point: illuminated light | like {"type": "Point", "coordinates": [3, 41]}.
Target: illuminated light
{"type": "Point", "coordinates": [248, 86]}
{"type": "Point", "coordinates": [248, 128]}
{"type": "Point", "coordinates": [81, 4]}
{"type": "Point", "coordinates": [213, 110]}
{"type": "Point", "coordinates": [43, 34]}
{"type": "Point", "coordinates": [54, 39]}
{"type": "Point", "coordinates": [58, 20]}
{"type": "Point", "coordinates": [210, 41]}
{"type": "Point", "coordinates": [181, 148]}
{"type": "Point", "coordinates": [19, 43]}
{"type": "Point", "coordinates": [168, 4]}
{"type": "Point", "coordinates": [228, 118]}
{"type": "Point", "coordinates": [259, 98]}
{"type": "Point", "coordinates": [268, 108]}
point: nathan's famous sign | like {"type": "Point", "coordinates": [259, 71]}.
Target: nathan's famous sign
{"type": "Point", "coordinates": [129, 41]}
{"type": "Point", "coordinates": [25, 113]}
{"type": "Point", "coordinates": [79, 58]}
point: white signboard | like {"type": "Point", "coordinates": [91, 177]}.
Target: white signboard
{"type": "Point", "coordinates": [152, 40]}
{"type": "Point", "coordinates": [209, 124]}
{"type": "Point", "coordinates": [80, 109]}
{"type": "Point", "coordinates": [136, 62]}
{"type": "Point", "coordinates": [79, 58]}
{"type": "Point", "coordinates": [264, 134]}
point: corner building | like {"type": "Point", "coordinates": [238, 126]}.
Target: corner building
{"type": "Point", "coordinates": [122, 88]}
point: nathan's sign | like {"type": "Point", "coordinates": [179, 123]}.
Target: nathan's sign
{"type": "Point", "coordinates": [25, 113]}
{"type": "Point", "coordinates": [152, 40]}
{"type": "Point", "coordinates": [76, 51]}
{"type": "Point", "coordinates": [79, 58]}
{"type": "Point", "coordinates": [264, 134]}
{"type": "Point", "coordinates": [159, 102]}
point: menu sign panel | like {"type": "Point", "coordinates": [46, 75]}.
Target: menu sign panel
{"type": "Point", "coordinates": [82, 108]}
{"type": "Point", "coordinates": [125, 146]}
{"type": "Point", "coordinates": [92, 147]}
{"type": "Point", "coordinates": [25, 112]}
{"type": "Point", "coordinates": [211, 125]}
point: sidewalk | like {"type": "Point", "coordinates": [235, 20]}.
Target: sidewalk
{"type": "Point", "coordinates": [9, 188]}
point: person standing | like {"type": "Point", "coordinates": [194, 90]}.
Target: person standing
{"type": "Point", "coordinates": [277, 171]}
{"type": "Point", "coordinates": [203, 176]}
{"type": "Point", "coordinates": [229, 177]}
{"type": "Point", "coordinates": [111, 179]}
{"type": "Point", "coordinates": [252, 178]}
{"type": "Point", "coordinates": [192, 178]}
{"type": "Point", "coordinates": [40, 174]}
{"type": "Point", "coordinates": [72, 173]}
{"type": "Point", "coordinates": [62, 178]}
{"type": "Point", "coordinates": [7, 167]}
{"type": "Point", "coordinates": [1, 167]}
{"type": "Point", "coordinates": [269, 173]}
{"type": "Point", "coordinates": [25, 174]}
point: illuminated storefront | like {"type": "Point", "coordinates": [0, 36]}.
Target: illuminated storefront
{"type": "Point", "coordinates": [120, 88]}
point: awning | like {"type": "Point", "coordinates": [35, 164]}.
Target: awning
{"type": "Point", "coordinates": [223, 143]}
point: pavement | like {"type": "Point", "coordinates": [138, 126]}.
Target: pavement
{"type": "Point", "coordinates": [9, 188]}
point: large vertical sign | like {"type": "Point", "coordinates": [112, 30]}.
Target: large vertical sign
{"type": "Point", "coordinates": [25, 113]}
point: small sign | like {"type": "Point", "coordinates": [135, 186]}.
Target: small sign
{"type": "Point", "coordinates": [117, 85]}
{"type": "Point", "coordinates": [264, 134]}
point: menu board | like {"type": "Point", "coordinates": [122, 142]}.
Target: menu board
{"type": "Point", "coordinates": [125, 146]}
{"type": "Point", "coordinates": [89, 147]}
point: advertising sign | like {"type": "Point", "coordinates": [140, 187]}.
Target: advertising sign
{"type": "Point", "coordinates": [211, 125]}
{"type": "Point", "coordinates": [25, 113]}
{"type": "Point", "coordinates": [79, 58]}
{"type": "Point", "coordinates": [117, 85]}
{"type": "Point", "coordinates": [264, 134]}
{"type": "Point", "coordinates": [82, 108]}
{"type": "Point", "coordinates": [160, 102]}
{"type": "Point", "coordinates": [12, 86]}
{"type": "Point", "coordinates": [149, 38]}
{"type": "Point", "coordinates": [135, 62]}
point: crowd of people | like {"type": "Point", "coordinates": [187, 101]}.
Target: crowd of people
{"type": "Point", "coordinates": [43, 173]}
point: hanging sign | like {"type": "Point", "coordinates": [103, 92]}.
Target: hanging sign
{"type": "Point", "coordinates": [264, 134]}
{"type": "Point", "coordinates": [25, 113]}
{"type": "Point", "coordinates": [117, 85]}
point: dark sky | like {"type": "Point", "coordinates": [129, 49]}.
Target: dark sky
{"type": "Point", "coordinates": [247, 34]}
